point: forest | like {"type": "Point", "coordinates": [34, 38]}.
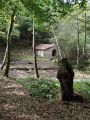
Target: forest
{"type": "Point", "coordinates": [44, 59]}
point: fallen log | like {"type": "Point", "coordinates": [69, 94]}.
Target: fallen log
{"type": "Point", "coordinates": [25, 68]}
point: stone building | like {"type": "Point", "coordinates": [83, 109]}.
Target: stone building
{"type": "Point", "coordinates": [46, 50]}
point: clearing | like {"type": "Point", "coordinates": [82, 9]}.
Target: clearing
{"type": "Point", "coordinates": [16, 103]}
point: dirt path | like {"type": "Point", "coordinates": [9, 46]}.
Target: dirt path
{"type": "Point", "coordinates": [22, 69]}
{"type": "Point", "coordinates": [17, 104]}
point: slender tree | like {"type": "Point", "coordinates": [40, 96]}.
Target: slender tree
{"type": "Point", "coordinates": [9, 44]}
{"type": "Point", "coordinates": [84, 47]}
{"type": "Point", "coordinates": [59, 50]}
{"type": "Point", "coordinates": [34, 53]}
{"type": "Point", "coordinates": [78, 49]}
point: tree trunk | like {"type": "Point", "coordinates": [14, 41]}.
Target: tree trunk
{"type": "Point", "coordinates": [9, 44]}
{"type": "Point", "coordinates": [84, 47]}
{"type": "Point", "coordinates": [78, 49]}
{"type": "Point", "coordinates": [34, 53]}
{"type": "Point", "coordinates": [60, 55]}
{"type": "Point", "coordinates": [65, 75]}
{"type": "Point", "coordinates": [4, 60]}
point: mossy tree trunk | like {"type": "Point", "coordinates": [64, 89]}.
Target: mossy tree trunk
{"type": "Point", "coordinates": [65, 75]}
{"type": "Point", "coordinates": [9, 44]}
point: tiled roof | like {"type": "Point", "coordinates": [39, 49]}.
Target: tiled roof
{"type": "Point", "coordinates": [44, 46]}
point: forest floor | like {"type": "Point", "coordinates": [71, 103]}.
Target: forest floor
{"type": "Point", "coordinates": [16, 103]}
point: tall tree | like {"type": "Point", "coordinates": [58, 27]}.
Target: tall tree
{"type": "Point", "coordinates": [10, 6]}
{"type": "Point", "coordinates": [78, 49]}
{"type": "Point", "coordinates": [84, 46]}
{"type": "Point", "coordinates": [9, 44]}
{"type": "Point", "coordinates": [34, 53]}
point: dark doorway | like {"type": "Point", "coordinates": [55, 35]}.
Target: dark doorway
{"type": "Point", "coordinates": [54, 52]}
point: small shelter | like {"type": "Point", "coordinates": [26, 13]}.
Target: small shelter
{"type": "Point", "coordinates": [46, 50]}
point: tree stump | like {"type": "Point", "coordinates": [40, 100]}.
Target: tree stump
{"type": "Point", "coordinates": [65, 76]}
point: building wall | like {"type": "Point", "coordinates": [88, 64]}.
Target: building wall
{"type": "Point", "coordinates": [40, 53]}
{"type": "Point", "coordinates": [45, 53]}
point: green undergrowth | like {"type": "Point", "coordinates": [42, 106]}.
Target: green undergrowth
{"type": "Point", "coordinates": [21, 56]}
{"type": "Point", "coordinates": [16, 56]}
{"type": "Point", "coordinates": [83, 87]}
{"type": "Point", "coordinates": [43, 58]}
{"type": "Point", "coordinates": [43, 88]}
{"type": "Point", "coordinates": [50, 88]}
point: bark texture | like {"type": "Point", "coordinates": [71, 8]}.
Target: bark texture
{"type": "Point", "coordinates": [65, 76]}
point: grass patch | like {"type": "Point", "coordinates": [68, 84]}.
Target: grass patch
{"type": "Point", "coordinates": [21, 56]}
{"type": "Point", "coordinates": [43, 58]}
{"type": "Point", "coordinates": [17, 56]}
{"type": "Point", "coordinates": [50, 88]}
{"type": "Point", "coordinates": [83, 87]}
